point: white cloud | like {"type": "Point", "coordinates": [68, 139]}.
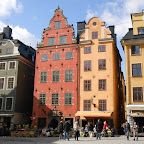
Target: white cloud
{"type": "Point", "coordinates": [22, 34]}
{"type": "Point", "coordinates": [7, 6]}
{"type": "Point", "coordinates": [90, 14]}
{"type": "Point", "coordinates": [26, 37]}
{"type": "Point", "coordinates": [118, 13]}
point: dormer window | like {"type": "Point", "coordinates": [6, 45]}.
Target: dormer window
{"type": "Point", "coordinates": [58, 25]}
{"type": "Point", "coordinates": [51, 41]}
{"type": "Point", "coordinates": [141, 30]}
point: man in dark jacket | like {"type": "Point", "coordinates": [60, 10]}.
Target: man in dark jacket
{"type": "Point", "coordinates": [127, 129]}
{"type": "Point", "coordinates": [60, 130]}
{"type": "Point", "coordinates": [66, 130]}
{"type": "Point", "coordinates": [98, 129]}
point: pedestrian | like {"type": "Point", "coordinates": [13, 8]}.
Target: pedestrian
{"type": "Point", "coordinates": [60, 130]}
{"type": "Point", "coordinates": [95, 131]}
{"type": "Point", "coordinates": [127, 129]}
{"type": "Point", "coordinates": [105, 127]}
{"type": "Point", "coordinates": [98, 129]}
{"type": "Point", "coordinates": [76, 130]}
{"type": "Point", "coordinates": [66, 130]}
{"type": "Point", "coordinates": [90, 129]}
{"type": "Point", "coordinates": [135, 131]}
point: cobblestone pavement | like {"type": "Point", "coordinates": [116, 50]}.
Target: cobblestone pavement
{"type": "Point", "coordinates": [54, 140]}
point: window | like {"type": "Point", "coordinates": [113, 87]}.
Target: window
{"type": "Point", "coordinates": [42, 99]}
{"type": "Point", "coordinates": [4, 43]}
{"type": "Point", "coordinates": [1, 103]}
{"type": "Point", "coordinates": [2, 83]}
{"type": "Point", "coordinates": [102, 105]}
{"type": "Point", "coordinates": [9, 102]}
{"type": "Point", "coordinates": [9, 50]}
{"type": "Point", "coordinates": [68, 75]}
{"type": "Point", "coordinates": [55, 76]}
{"type": "Point", "coordinates": [94, 35]}
{"type": "Point", "coordinates": [141, 30]}
{"type": "Point", "coordinates": [102, 84]}
{"type": "Point", "coordinates": [12, 65]}
{"type": "Point", "coordinates": [55, 99]}
{"type": "Point", "coordinates": [87, 50]}
{"type": "Point", "coordinates": [135, 50]}
{"type": "Point", "coordinates": [43, 77]}
{"type": "Point", "coordinates": [68, 98]}
{"type": "Point", "coordinates": [87, 85]}
{"type": "Point", "coordinates": [94, 23]}
{"type": "Point", "coordinates": [136, 70]}
{"type": "Point", "coordinates": [3, 66]}
{"type": "Point", "coordinates": [101, 48]}
{"type": "Point", "coordinates": [87, 105]}
{"type": "Point", "coordinates": [137, 94]}
{"type": "Point", "coordinates": [0, 51]}
{"type": "Point", "coordinates": [44, 57]}
{"type": "Point", "coordinates": [56, 56]}
{"type": "Point", "coordinates": [51, 41]}
{"type": "Point", "coordinates": [87, 65]}
{"type": "Point", "coordinates": [69, 55]}
{"type": "Point", "coordinates": [10, 84]}
{"type": "Point", "coordinates": [63, 39]}
{"type": "Point", "coordinates": [102, 64]}
{"type": "Point", "coordinates": [58, 25]}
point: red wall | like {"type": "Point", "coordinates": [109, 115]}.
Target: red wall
{"type": "Point", "coordinates": [68, 64]}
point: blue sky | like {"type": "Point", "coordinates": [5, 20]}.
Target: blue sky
{"type": "Point", "coordinates": [28, 18]}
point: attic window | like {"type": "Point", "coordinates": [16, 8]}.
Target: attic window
{"type": "Point", "coordinates": [4, 43]}
{"type": "Point", "coordinates": [57, 24]}
{"type": "Point", "coordinates": [58, 15]}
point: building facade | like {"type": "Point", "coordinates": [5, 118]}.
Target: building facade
{"type": "Point", "coordinates": [133, 45]}
{"type": "Point", "coordinates": [56, 74]}
{"type": "Point", "coordinates": [16, 80]}
{"type": "Point", "coordinates": [101, 94]}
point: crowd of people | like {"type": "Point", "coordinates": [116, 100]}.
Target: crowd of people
{"type": "Point", "coordinates": [98, 130]}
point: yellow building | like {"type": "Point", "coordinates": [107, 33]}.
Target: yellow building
{"type": "Point", "coordinates": [133, 45]}
{"type": "Point", "coordinates": [100, 74]}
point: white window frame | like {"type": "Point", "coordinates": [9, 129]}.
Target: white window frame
{"type": "Point", "coordinates": [13, 82]}
{"type": "Point", "coordinates": [9, 65]}
{"type": "Point", "coordinates": [5, 104]}
{"type": "Point", "coordinates": [4, 84]}
{"type": "Point", "coordinates": [5, 66]}
{"type": "Point", "coordinates": [2, 103]}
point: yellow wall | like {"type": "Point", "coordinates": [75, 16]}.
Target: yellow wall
{"type": "Point", "coordinates": [137, 20]}
{"type": "Point", "coordinates": [110, 74]}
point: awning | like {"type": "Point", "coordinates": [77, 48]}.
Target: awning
{"type": "Point", "coordinates": [137, 114]}
{"type": "Point", "coordinates": [93, 114]}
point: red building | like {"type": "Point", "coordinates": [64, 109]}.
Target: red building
{"type": "Point", "coordinates": [56, 74]}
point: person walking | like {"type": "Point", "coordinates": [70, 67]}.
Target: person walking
{"type": "Point", "coordinates": [127, 129]}
{"type": "Point", "coordinates": [76, 130]}
{"type": "Point", "coordinates": [66, 130]}
{"type": "Point", "coordinates": [135, 131]}
{"type": "Point", "coordinates": [90, 129]}
{"type": "Point", "coordinates": [105, 127]}
{"type": "Point", "coordinates": [98, 129]}
{"type": "Point", "coordinates": [60, 130]}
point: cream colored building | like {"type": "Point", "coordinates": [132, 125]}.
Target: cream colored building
{"type": "Point", "coordinates": [101, 93]}
{"type": "Point", "coordinates": [133, 44]}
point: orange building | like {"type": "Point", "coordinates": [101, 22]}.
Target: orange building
{"type": "Point", "coordinates": [100, 74]}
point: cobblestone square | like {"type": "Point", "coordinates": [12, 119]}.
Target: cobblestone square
{"type": "Point", "coordinates": [55, 140]}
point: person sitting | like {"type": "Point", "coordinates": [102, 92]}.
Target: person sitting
{"type": "Point", "coordinates": [82, 132]}
{"type": "Point", "coordinates": [86, 131]}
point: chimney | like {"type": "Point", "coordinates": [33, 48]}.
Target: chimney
{"type": "Point", "coordinates": [7, 33]}
{"type": "Point", "coordinates": [112, 29]}
{"type": "Point", "coordinates": [80, 29]}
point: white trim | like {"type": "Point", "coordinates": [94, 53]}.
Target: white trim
{"type": "Point", "coordinates": [9, 55]}
{"type": "Point", "coordinates": [5, 66]}
{"type": "Point", "coordinates": [6, 101]}
{"type": "Point", "coordinates": [4, 84]}
{"type": "Point", "coordinates": [95, 111]}
{"type": "Point", "coordinates": [136, 105]}
{"type": "Point", "coordinates": [9, 65]}
{"type": "Point", "coordinates": [13, 82]}
{"type": "Point", "coordinates": [2, 103]}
